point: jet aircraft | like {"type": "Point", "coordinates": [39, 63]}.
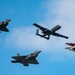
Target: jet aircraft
{"type": "Point", "coordinates": [27, 59]}
{"type": "Point", "coordinates": [3, 25]}
{"type": "Point", "coordinates": [72, 48]}
{"type": "Point", "coordinates": [46, 32]}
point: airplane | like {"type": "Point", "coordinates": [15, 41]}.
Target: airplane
{"type": "Point", "coordinates": [27, 59]}
{"type": "Point", "coordinates": [72, 48]}
{"type": "Point", "coordinates": [46, 32]}
{"type": "Point", "coordinates": [3, 25]}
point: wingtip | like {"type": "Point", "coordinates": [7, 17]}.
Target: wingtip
{"type": "Point", "coordinates": [67, 37]}
{"type": "Point", "coordinates": [8, 19]}
{"type": "Point", "coordinates": [34, 23]}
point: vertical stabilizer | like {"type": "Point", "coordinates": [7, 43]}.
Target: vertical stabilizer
{"type": "Point", "coordinates": [18, 54]}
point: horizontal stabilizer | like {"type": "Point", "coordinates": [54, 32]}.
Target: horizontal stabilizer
{"type": "Point", "coordinates": [40, 35]}
{"type": "Point", "coordinates": [47, 38]}
{"type": "Point", "coordinates": [5, 29]}
{"type": "Point", "coordinates": [43, 36]}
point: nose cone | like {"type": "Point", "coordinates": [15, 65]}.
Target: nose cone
{"type": "Point", "coordinates": [12, 57]}
{"type": "Point", "coordinates": [39, 51]}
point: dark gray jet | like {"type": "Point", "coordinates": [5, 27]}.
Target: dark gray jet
{"type": "Point", "coordinates": [27, 59]}
{"type": "Point", "coordinates": [3, 25]}
{"type": "Point", "coordinates": [46, 32]}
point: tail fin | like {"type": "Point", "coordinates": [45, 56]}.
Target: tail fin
{"type": "Point", "coordinates": [37, 31]}
{"type": "Point", "coordinates": [18, 54]}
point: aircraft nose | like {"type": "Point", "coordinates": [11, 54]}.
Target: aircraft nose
{"type": "Point", "coordinates": [39, 51]}
{"type": "Point", "coordinates": [12, 57]}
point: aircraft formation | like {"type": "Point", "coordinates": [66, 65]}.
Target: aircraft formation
{"type": "Point", "coordinates": [46, 33]}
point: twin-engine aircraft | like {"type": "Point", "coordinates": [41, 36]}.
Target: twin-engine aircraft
{"type": "Point", "coordinates": [72, 46]}
{"type": "Point", "coordinates": [46, 32]}
{"type": "Point", "coordinates": [3, 25]}
{"type": "Point", "coordinates": [27, 59]}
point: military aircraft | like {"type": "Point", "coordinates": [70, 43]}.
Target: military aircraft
{"type": "Point", "coordinates": [3, 25]}
{"type": "Point", "coordinates": [27, 59]}
{"type": "Point", "coordinates": [72, 48]}
{"type": "Point", "coordinates": [46, 32]}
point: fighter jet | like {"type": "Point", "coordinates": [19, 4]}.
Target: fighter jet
{"type": "Point", "coordinates": [3, 25]}
{"type": "Point", "coordinates": [72, 48]}
{"type": "Point", "coordinates": [46, 32]}
{"type": "Point", "coordinates": [27, 59]}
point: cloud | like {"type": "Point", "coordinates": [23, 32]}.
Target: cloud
{"type": "Point", "coordinates": [58, 12]}
{"type": "Point", "coordinates": [24, 38]}
{"type": "Point", "coordinates": [64, 15]}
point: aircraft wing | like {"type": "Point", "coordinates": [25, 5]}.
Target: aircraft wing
{"type": "Point", "coordinates": [59, 35]}
{"type": "Point", "coordinates": [40, 27]}
{"type": "Point", "coordinates": [18, 57]}
{"type": "Point", "coordinates": [34, 61]}
{"type": "Point", "coordinates": [6, 22]}
{"type": "Point", "coordinates": [71, 44]}
{"type": "Point", "coordinates": [5, 29]}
